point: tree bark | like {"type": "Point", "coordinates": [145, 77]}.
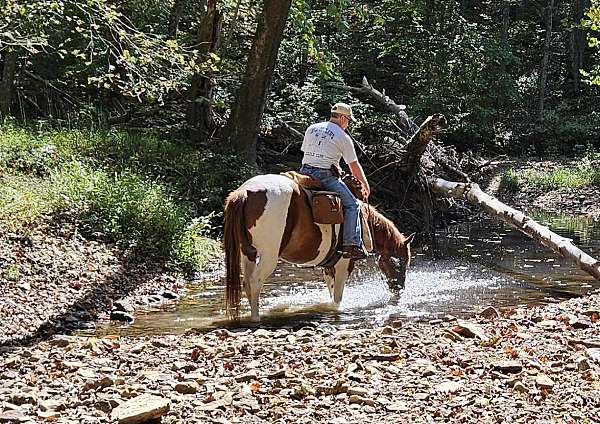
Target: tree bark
{"type": "Point", "coordinates": [419, 142]}
{"type": "Point", "coordinates": [244, 121]}
{"type": "Point", "coordinates": [577, 43]}
{"type": "Point", "coordinates": [473, 194]}
{"type": "Point", "coordinates": [175, 17]}
{"type": "Point", "coordinates": [7, 82]}
{"type": "Point", "coordinates": [199, 111]}
{"type": "Point", "coordinates": [544, 67]}
{"type": "Point", "coordinates": [233, 25]}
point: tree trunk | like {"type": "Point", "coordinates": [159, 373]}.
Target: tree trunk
{"type": "Point", "coordinates": [505, 22]}
{"type": "Point", "coordinates": [233, 25]}
{"type": "Point", "coordinates": [175, 17]}
{"type": "Point", "coordinates": [199, 111]}
{"type": "Point", "coordinates": [244, 121]}
{"type": "Point", "coordinates": [7, 82]}
{"type": "Point", "coordinates": [544, 67]}
{"type": "Point", "coordinates": [577, 44]}
{"type": "Point", "coordinates": [473, 194]}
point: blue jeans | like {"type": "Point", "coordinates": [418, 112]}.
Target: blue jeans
{"type": "Point", "coordinates": [352, 231]}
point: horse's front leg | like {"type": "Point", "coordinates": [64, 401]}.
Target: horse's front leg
{"type": "Point", "coordinates": [336, 278]}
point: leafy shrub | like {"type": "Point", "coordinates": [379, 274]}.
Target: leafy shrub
{"type": "Point", "coordinates": [510, 180]}
{"type": "Point", "coordinates": [136, 190]}
{"type": "Point", "coordinates": [193, 247]}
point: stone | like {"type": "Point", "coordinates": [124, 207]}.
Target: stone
{"type": "Point", "coordinates": [421, 396]}
{"type": "Point", "coordinates": [594, 354]}
{"type": "Point", "coordinates": [252, 375]}
{"type": "Point", "coordinates": [428, 371]}
{"type": "Point", "coordinates": [49, 415]}
{"type": "Point", "coordinates": [261, 332]}
{"type": "Point", "coordinates": [122, 316]}
{"type": "Point", "coordinates": [51, 405]}
{"type": "Point", "coordinates": [168, 294]}
{"type": "Point", "coordinates": [13, 416]}
{"type": "Point", "coordinates": [544, 382]}
{"type": "Point", "coordinates": [355, 390]}
{"type": "Point", "coordinates": [397, 407]}
{"type": "Point", "coordinates": [520, 387]}
{"type": "Point", "coordinates": [469, 330]}
{"type": "Point", "coordinates": [388, 330]}
{"type": "Point", "coordinates": [62, 341]}
{"type": "Point", "coordinates": [490, 313]}
{"type": "Point", "coordinates": [353, 399]}
{"type": "Point", "coordinates": [448, 387]}
{"type": "Point", "coordinates": [548, 324]}
{"type": "Point", "coordinates": [510, 367]}
{"type": "Point", "coordinates": [583, 364]}
{"type": "Point", "coordinates": [141, 408]}
{"type": "Point", "coordinates": [580, 321]}
{"type": "Point", "coordinates": [22, 398]}
{"type": "Point", "coordinates": [226, 400]}
{"type": "Point", "coordinates": [187, 387]}
{"type": "Point", "coordinates": [123, 305]}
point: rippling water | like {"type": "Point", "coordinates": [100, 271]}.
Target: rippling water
{"type": "Point", "coordinates": [470, 266]}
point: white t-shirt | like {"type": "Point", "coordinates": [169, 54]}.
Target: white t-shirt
{"type": "Point", "coordinates": [325, 143]}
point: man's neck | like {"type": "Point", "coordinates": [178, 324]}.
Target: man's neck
{"type": "Point", "coordinates": [336, 122]}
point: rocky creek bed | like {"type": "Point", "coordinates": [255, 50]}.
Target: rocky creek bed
{"type": "Point", "coordinates": [519, 365]}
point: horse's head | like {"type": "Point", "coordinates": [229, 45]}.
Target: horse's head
{"type": "Point", "coordinates": [394, 263]}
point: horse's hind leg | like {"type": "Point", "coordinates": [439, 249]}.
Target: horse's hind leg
{"type": "Point", "coordinates": [255, 275]}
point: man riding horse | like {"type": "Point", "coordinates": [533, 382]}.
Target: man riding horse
{"type": "Point", "coordinates": [323, 146]}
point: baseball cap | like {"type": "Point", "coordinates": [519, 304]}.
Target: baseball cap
{"type": "Point", "coordinates": [343, 109]}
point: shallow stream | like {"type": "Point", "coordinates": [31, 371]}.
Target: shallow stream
{"type": "Point", "coordinates": [472, 265]}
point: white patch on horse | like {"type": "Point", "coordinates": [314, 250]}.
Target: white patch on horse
{"type": "Point", "coordinates": [325, 245]}
{"type": "Point", "coordinates": [268, 231]}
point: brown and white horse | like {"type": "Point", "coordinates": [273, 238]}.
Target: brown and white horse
{"type": "Point", "coordinates": [269, 217]}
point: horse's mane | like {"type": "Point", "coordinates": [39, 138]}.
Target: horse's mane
{"type": "Point", "coordinates": [379, 222]}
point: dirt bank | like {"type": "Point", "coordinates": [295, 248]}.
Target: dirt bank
{"type": "Point", "coordinates": [578, 201]}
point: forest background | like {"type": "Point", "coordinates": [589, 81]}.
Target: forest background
{"type": "Point", "coordinates": [133, 119]}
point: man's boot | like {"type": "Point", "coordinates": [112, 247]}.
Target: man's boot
{"type": "Point", "coordinates": [354, 252]}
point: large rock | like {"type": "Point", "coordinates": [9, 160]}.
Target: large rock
{"type": "Point", "coordinates": [544, 382]}
{"type": "Point", "coordinates": [509, 367]}
{"type": "Point", "coordinates": [469, 330]}
{"type": "Point", "coordinates": [141, 408]}
{"type": "Point", "coordinates": [13, 417]}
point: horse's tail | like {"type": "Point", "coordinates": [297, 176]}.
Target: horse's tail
{"type": "Point", "coordinates": [235, 235]}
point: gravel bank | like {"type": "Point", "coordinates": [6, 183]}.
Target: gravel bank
{"type": "Point", "coordinates": [522, 365]}
{"type": "Point", "coordinates": [54, 280]}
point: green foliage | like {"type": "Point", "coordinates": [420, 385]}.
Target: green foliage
{"type": "Point", "coordinates": [510, 180]}
{"type": "Point", "coordinates": [563, 131]}
{"type": "Point", "coordinates": [194, 247]}
{"type": "Point", "coordinates": [144, 193]}
{"type": "Point", "coordinates": [94, 43]}
{"type": "Point", "coordinates": [592, 22]}
{"type": "Point", "coordinates": [584, 174]}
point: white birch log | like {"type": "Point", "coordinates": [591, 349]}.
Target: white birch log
{"type": "Point", "coordinates": [541, 234]}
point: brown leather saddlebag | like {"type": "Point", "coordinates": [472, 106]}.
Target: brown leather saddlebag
{"type": "Point", "coordinates": [327, 207]}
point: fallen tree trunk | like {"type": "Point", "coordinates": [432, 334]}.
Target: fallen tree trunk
{"type": "Point", "coordinates": [541, 234]}
{"type": "Point", "coordinates": [367, 90]}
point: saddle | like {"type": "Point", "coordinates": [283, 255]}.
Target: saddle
{"type": "Point", "coordinates": [327, 209]}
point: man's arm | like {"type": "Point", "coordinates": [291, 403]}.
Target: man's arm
{"type": "Point", "coordinates": [359, 174]}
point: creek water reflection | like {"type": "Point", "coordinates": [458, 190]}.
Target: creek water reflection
{"type": "Point", "coordinates": [471, 265]}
